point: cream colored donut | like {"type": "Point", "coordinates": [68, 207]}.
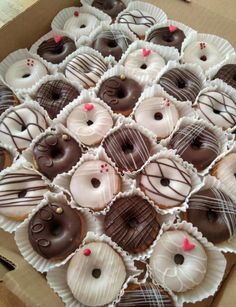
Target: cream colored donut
{"type": "Point", "coordinates": [84, 281]}
{"type": "Point", "coordinates": [204, 54]}
{"type": "Point", "coordinates": [90, 122]}
{"type": "Point", "coordinates": [144, 63]}
{"type": "Point", "coordinates": [157, 114]}
{"type": "Point", "coordinates": [80, 25]}
{"type": "Point", "coordinates": [94, 184]}
{"type": "Point", "coordinates": [25, 73]}
{"type": "Point", "coordinates": [218, 108]}
{"type": "Point", "coordinates": [166, 182]}
{"type": "Point", "coordinates": [20, 126]}
{"type": "Point", "coordinates": [177, 246]}
{"type": "Point", "coordinates": [20, 191]}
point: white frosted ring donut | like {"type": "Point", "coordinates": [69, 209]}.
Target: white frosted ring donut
{"type": "Point", "coordinates": [178, 262]}
{"type": "Point", "coordinates": [25, 73]}
{"type": "Point", "coordinates": [94, 184]}
{"type": "Point", "coordinates": [90, 123]}
{"type": "Point", "coordinates": [96, 274]}
{"type": "Point", "coordinates": [157, 114]}
{"type": "Point", "coordinates": [20, 126]}
{"type": "Point", "coordinates": [144, 62]}
{"type": "Point", "coordinates": [204, 54]}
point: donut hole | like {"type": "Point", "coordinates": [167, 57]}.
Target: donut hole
{"type": "Point", "coordinates": [58, 50]}
{"type": "Point", "coordinates": [95, 182]}
{"type": "Point", "coordinates": [96, 273]}
{"type": "Point", "coordinates": [212, 216]}
{"type": "Point", "coordinates": [143, 66]}
{"type": "Point", "coordinates": [158, 116]}
{"type": "Point", "coordinates": [26, 75]}
{"type": "Point", "coordinates": [82, 26]}
{"type": "Point", "coordinates": [127, 148]}
{"type": "Point", "coordinates": [216, 111]}
{"type": "Point", "coordinates": [121, 93]}
{"type": "Point", "coordinates": [179, 259]}
{"type": "Point", "coordinates": [112, 44]}
{"type": "Point", "coordinates": [132, 223]}
{"type": "Point", "coordinates": [56, 153]}
{"type": "Point", "coordinates": [196, 144]}
{"type": "Point", "coordinates": [165, 182]}
{"type": "Point", "coordinates": [55, 229]}
{"type": "Point", "coordinates": [89, 122]}
{"type": "Point", "coordinates": [22, 193]}
{"type": "Point", "coordinates": [55, 96]}
{"type": "Point", "coordinates": [203, 58]}
{"type": "Point", "coordinates": [168, 38]}
{"type": "Point", "coordinates": [181, 84]}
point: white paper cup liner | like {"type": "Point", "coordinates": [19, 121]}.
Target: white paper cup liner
{"type": "Point", "coordinates": [154, 15]}
{"type": "Point", "coordinates": [216, 264]}
{"type": "Point", "coordinates": [57, 279]}
{"type": "Point", "coordinates": [22, 237]}
{"type": "Point", "coordinates": [213, 71]}
{"type": "Point", "coordinates": [61, 18]}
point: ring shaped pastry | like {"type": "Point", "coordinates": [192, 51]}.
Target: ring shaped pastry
{"type": "Point", "coordinates": [227, 73]}
{"type": "Point", "coordinates": [110, 7]}
{"type": "Point", "coordinates": [25, 73]}
{"type": "Point", "coordinates": [7, 98]}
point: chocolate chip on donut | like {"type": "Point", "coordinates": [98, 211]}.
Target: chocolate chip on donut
{"type": "Point", "coordinates": [110, 7]}
{"type": "Point", "coordinates": [228, 74]}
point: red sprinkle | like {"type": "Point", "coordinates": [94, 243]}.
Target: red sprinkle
{"type": "Point", "coordinates": [57, 38]}
{"type": "Point", "coordinates": [88, 106]}
{"type": "Point", "coordinates": [76, 13]}
{"type": "Point", "coordinates": [172, 28]}
{"type": "Point", "coordinates": [87, 252]}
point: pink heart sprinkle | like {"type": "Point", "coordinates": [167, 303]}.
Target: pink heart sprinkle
{"type": "Point", "coordinates": [172, 28]}
{"type": "Point", "coordinates": [87, 252]}
{"type": "Point", "coordinates": [76, 13]}
{"type": "Point", "coordinates": [146, 52]}
{"type": "Point", "coordinates": [187, 246]}
{"type": "Point", "coordinates": [88, 106]}
{"type": "Point", "coordinates": [57, 38]}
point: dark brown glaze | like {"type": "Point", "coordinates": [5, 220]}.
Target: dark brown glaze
{"type": "Point", "coordinates": [54, 95]}
{"type": "Point", "coordinates": [7, 98]}
{"type": "Point", "coordinates": [181, 84]}
{"type": "Point", "coordinates": [55, 52]}
{"type": "Point", "coordinates": [6, 158]}
{"type": "Point", "coordinates": [56, 230]}
{"type": "Point", "coordinates": [55, 154]}
{"type": "Point", "coordinates": [132, 223]}
{"type": "Point", "coordinates": [121, 94]}
{"type": "Point", "coordinates": [213, 213]}
{"type": "Point", "coordinates": [196, 144]}
{"type": "Point", "coordinates": [110, 7]}
{"type": "Point", "coordinates": [111, 42]}
{"type": "Point", "coordinates": [165, 37]}
{"type": "Point", "coordinates": [145, 295]}
{"type": "Point", "coordinates": [227, 73]}
{"type": "Point", "coordinates": [128, 148]}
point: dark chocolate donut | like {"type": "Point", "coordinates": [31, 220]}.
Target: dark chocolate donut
{"type": "Point", "coordinates": [7, 98]}
{"type": "Point", "coordinates": [145, 295]}
{"type": "Point", "coordinates": [128, 148]}
{"type": "Point", "coordinates": [55, 154]}
{"type": "Point", "coordinates": [110, 7]}
{"type": "Point", "coordinates": [55, 50]}
{"type": "Point", "coordinates": [120, 93]}
{"type": "Point", "coordinates": [132, 223]}
{"type": "Point", "coordinates": [228, 74]}
{"type": "Point", "coordinates": [54, 95]}
{"type": "Point", "coordinates": [196, 144]}
{"type": "Point", "coordinates": [56, 230]}
{"type": "Point", "coordinates": [213, 213]}
{"type": "Point", "coordinates": [6, 158]}
{"type": "Point", "coordinates": [165, 37]}
{"type": "Point", "coordinates": [112, 42]}
{"type": "Point", "coordinates": [181, 84]}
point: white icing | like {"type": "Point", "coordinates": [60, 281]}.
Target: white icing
{"type": "Point", "coordinates": [83, 191]}
{"type": "Point", "coordinates": [226, 170]}
{"type": "Point", "coordinates": [92, 291]}
{"type": "Point", "coordinates": [136, 60]}
{"type": "Point", "coordinates": [25, 73]}
{"type": "Point", "coordinates": [193, 54]}
{"type": "Point", "coordinates": [178, 277]}
{"type": "Point", "coordinates": [161, 127]}
{"type": "Point", "coordinates": [91, 134]}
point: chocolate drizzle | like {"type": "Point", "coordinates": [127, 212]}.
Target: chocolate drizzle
{"type": "Point", "coordinates": [7, 98]}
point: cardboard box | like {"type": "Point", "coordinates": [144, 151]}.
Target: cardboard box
{"type": "Point", "coordinates": [20, 284]}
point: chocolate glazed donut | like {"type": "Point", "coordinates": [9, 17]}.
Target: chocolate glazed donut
{"type": "Point", "coordinates": [110, 7]}
{"type": "Point", "coordinates": [132, 223]}
{"type": "Point", "coordinates": [228, 74]}
{"type": "Point", "coordinates": [181, 84]}
{"type": "Point", "coordinates": [120, 93]}
{"type": "Point", "coordinates": [55, 154]}
{"type": "Point", "coordinates": [56, 230]}
{"type": "Point", "coordinates": [213, 213]}
{"type": "Point", "coordinates": [7, 98]}
{"type": "Point", "coordinates": [196, 144]}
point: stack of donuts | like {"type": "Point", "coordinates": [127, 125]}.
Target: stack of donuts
{"type": "Point", "coordinates": [117, 156]}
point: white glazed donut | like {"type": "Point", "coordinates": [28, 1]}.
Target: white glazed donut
{"type": "Point", "coordinates": [81, 24]}
{"type": "Point", "coordinates": [218, 108]}
{"type": "Point", "coordinates": [166, 182]}
{"type": "Point", "coordinates": [144, 63]}
{"type": "Point", "coordinates": [24, 74]}
{"type": "Point", "coordinates": [90, 122]}
{"type": "Point", "coordinates": [157, 114]}
{"type": "Point", "coordinates": [20, 126]}
{"type": "Point", "coordinates": [85, 69]}
{"type": "Point", "coordinates": [96, 274]}
{"type": "Point", "coordinates": [20, 191]}
{"type": "Point", "coordinates": [204, 54]}
{"type": "Point", "coordinates": [94, 184]}
{"type": "Point", "coordinates": [178, 262]}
